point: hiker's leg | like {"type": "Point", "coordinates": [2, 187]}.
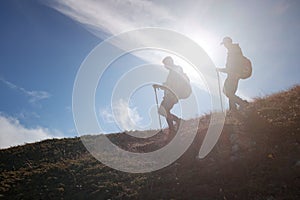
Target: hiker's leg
{"type": "Point", "coordinates": [173, 101]}
{"type": "Point", "coordinates": [170, 122]}
{"type": "Point", "coordinates": [230, 88]}
{"type": "Point", "coordinates": [176, 120]}
{"type": "Point", "coordinates": [232, 105]}
{"type": "Point", "coordinates": [162, 108]}
{"type": "Point", "coordinates": [168, 102]}
{"type": "Point", "coordinates": [236, 99]}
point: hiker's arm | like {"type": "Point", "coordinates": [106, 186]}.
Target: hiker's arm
{"type": "Point", "coordinates": [224, 70]}
{"type": "Point", "coordinates": [155, 86]}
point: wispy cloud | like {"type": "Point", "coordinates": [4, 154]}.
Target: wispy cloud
{"type": "Point", "coordinates": [110, 17]}
{"type": "Point", "coordinates": [34, 96]}
{"type": "Point", "coordinates": [123, 114]}
{"type": "Point", "coordinates": [13, 133]}
{"type": "Point", "coordinates": [115, 16]}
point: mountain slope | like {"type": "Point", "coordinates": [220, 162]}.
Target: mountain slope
{"type": "Point", "coordinates": [256, 157]}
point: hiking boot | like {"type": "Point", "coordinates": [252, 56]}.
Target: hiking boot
{"type": "Point", "coordinates": [178, 122]}
{"type": "Point", "coordinates": [233, 109]}
{"type": "Point", "coordinates": [243, 105]}
{"type": "Point", "coordinates": [232, 106]}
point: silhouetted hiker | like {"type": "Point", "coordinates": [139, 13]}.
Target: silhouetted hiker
{"type": "Point", "coordinates": [237, 67]}
{"type": "Point", "coordinates": [177, 86]}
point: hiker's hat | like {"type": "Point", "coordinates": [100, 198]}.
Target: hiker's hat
{"type": "Point", "coordinates": [226, 40]}
{"type": "Point", "coordinates": [168, 61]}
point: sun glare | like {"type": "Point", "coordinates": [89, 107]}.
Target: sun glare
{"type": "Point", "coordinates": [209, 42]}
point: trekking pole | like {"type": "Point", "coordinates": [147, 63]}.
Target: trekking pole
{"type": "Point", "coordinates": [220, 94]}
{"type": "Point", "coordinates": [157, 108]}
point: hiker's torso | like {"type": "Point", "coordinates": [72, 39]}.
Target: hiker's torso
{"type": "Point", "coordinates": [173, 78]}
{"type": "Point", "coordinates": [234, 57]}
{"type": "Point", "coordinates": [178, 82]}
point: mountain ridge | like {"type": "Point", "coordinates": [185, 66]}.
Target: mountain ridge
{"type": "Point", "coordinates": [256, 157]}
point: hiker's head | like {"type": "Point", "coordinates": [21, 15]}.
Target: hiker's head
{"type": "Point", "coordinates": [168, 61]}
{"type": "Point", "coordinates": [227, 41]}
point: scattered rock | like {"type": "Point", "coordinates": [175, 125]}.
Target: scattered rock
{"type": "Point", "coordinates": [235, 148]}
{"type": "Point", "coordinates": [297, 163]}
{"type": "Point", "coordinates": [233, 138]}
{"type": "Point", "coordinates": [271, 156]}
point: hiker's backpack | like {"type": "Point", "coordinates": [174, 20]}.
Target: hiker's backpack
{"type": "Point", "coordinates": [237, 63]}
{"type": "Point", "coordinates": [245, 68]}
{"type": "Point", "coordinates": [183, 89]}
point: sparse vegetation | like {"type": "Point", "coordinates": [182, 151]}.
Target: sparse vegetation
{"type": "Point", "coordinates": [257, 157]}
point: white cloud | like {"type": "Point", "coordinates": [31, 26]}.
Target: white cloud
{"type": "Point", "coordinates": [123, 114]}
{"type": "Point", "coordinates": [107, 115]}
{"type": "Point", "coordinates": [34, 96]}
{"type": "Point", "coordinates": [114, 16]}
{"type": "Point", "coordinates": [13, 133]}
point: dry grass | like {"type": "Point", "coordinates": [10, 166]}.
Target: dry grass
{"type": "Point", "coordinates": [255, 158]}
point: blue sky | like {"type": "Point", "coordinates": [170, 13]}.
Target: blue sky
{"type": "Point", "coordinates": [43, 44]}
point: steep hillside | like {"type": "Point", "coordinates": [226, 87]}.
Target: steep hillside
{"type": "Point", "coordinates": [256, 157]}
